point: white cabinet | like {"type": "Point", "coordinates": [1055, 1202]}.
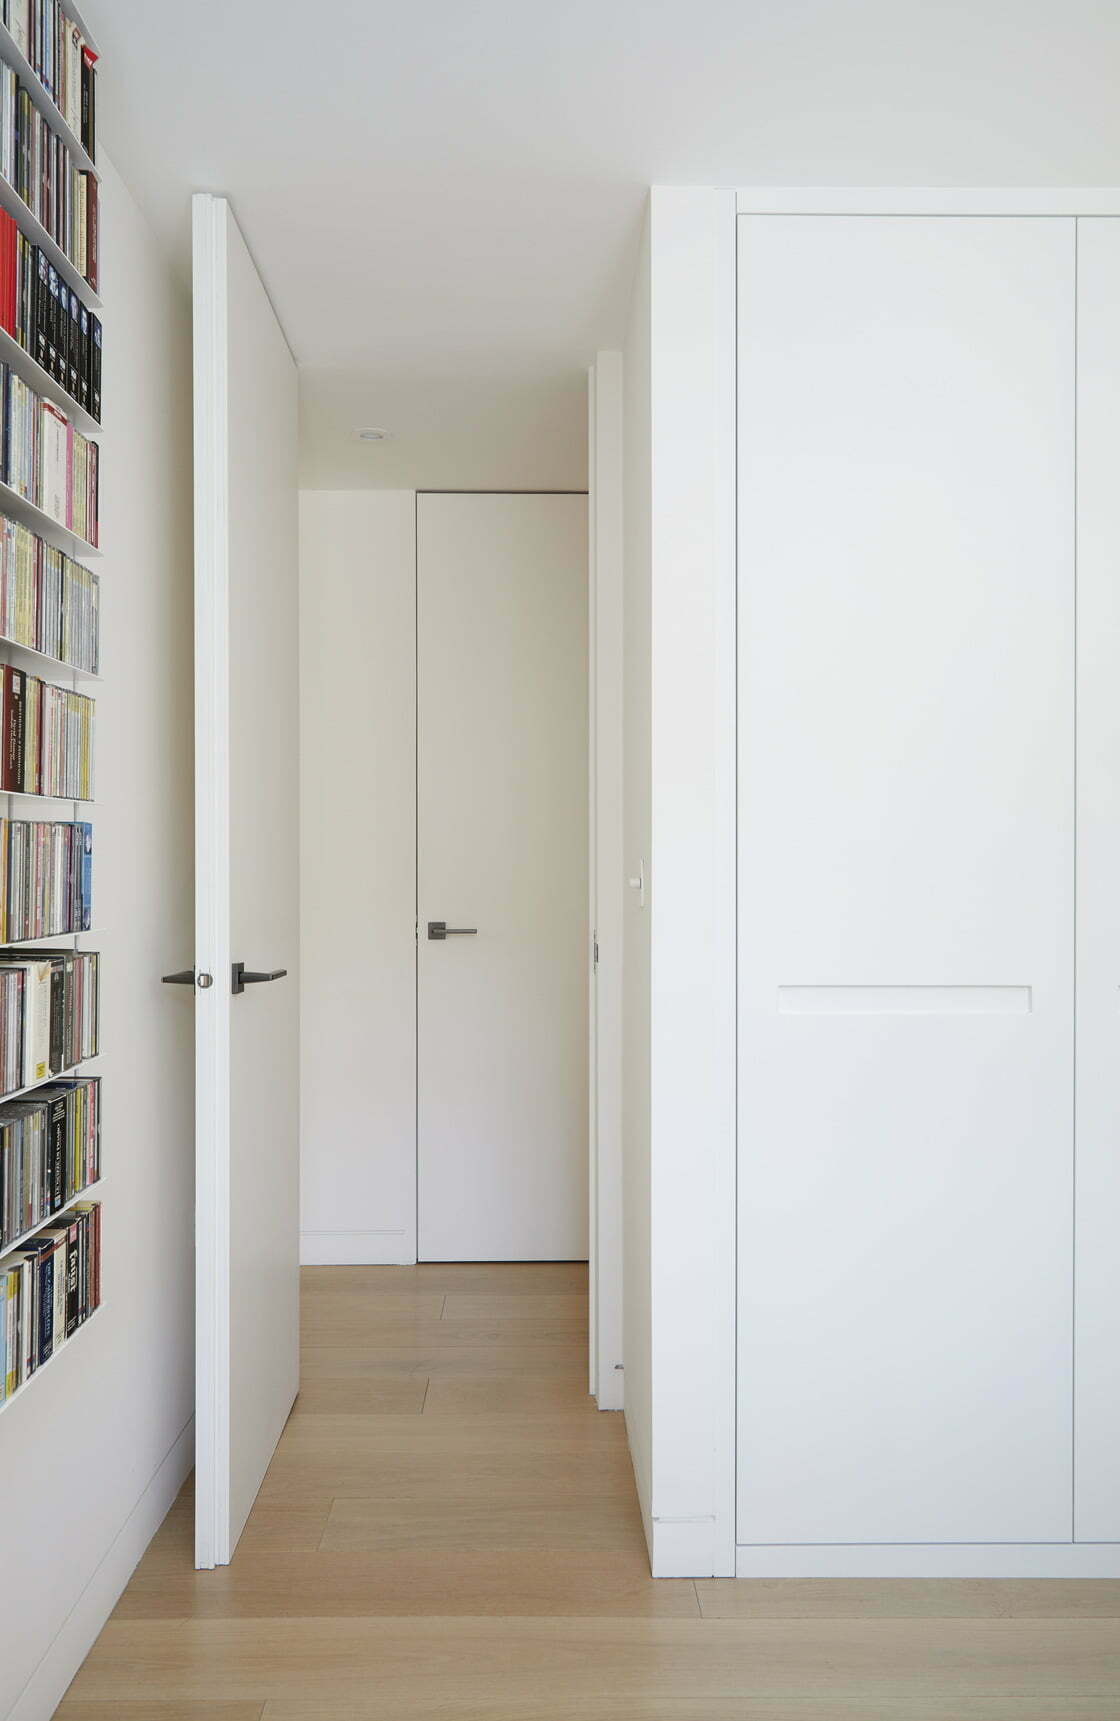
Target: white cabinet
{"type": "Point", "coordinates": [929, 409]}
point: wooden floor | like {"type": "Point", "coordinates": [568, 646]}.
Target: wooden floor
{"type": "Point", "coordinates": [448, 1532]}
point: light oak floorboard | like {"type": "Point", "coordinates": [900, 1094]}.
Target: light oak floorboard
{"type": "Point", "coordinates": [151, 1709]}
{"type": "Point", "coordinates": [568, 1310]}
{"type": "Point", "coordinates": [471, 1582]}
{"type": "Point", "coordinates": [363, 1395]}
{"type": "Point", "coordinates": [518, 1659]}
{"type": "Point", "coordinates": [510, 1395]}
{"type": "Point", "coordinates": [567, 1365]}
{"type": "Point", "coordinates": [339, 1326]}
{"type": "Point", "coordinates": [330, 1437]}
{"type": "Point", "coordinates": [913, 1598]}
{"type": "Point", "coordinates": [341, 1302]}
{"type": "Point", "coordinates": [607, 1708]}
{"type": "Point", "coordinates": [461, 1525]}
{"type": "Point", "coordinates": [449, 1532]}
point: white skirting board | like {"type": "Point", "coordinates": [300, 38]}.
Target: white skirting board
{"type": "Point", "coordinates": [356, 1249]}
{"type": "Point", "coordinates": [46, 1688]}
{"type": "Point", "coordinates": [688, 1548]}
{"type": "Point", "coordinates": [933, 1560]}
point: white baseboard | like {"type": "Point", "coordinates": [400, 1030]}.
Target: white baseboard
{"type": "Point", "coordinates": [357, 1249]}
{"type": "Point", "coordinates": [46, 1688]}
{"type": "Point", "coordinates": [689, 1548]}
{"type": "Point", "coordinates": [610, 1395]}
{"type": "Point", "coordinates": [933, 1560]}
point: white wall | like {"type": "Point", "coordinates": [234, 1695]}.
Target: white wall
{"type": "Point", "coordinates": [93, 1453]}
{"type": "Point", "coordinates": [679, 1005]}
{"type": "Point", "coordinates": [358, 745]}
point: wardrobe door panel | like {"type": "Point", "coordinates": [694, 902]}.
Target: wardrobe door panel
{"type": "Point", "coordinates": [906, 567]}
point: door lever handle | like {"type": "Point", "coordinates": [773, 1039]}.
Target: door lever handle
{"type": "Point", "coordinates": [188, 977]}
{"type": "Point", "coordinates": [440, 929]}
{"type": "Point", "coordinates": [243, 977]}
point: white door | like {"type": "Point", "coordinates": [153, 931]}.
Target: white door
{"type": "Point", "coordinates": [247, 908]}
{"type": "Point", "coordinates": [906, 662]}
{"type": "Point", "coordinates": [502, 866]}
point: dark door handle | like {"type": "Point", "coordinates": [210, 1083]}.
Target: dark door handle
{"type": "Point", "coordinates": [243, 977]}
{"type": "Point", "coordinates": [440, 929]}
{"type": "Point", "coordinates": [188, 977]}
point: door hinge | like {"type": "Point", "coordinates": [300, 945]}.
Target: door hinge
{"type": "Point", "coordinates": [595, 950]}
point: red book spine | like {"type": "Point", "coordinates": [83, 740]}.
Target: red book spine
{"type": "Point", "coordinates": [8, 272]}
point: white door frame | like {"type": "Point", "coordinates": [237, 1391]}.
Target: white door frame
{"type": "Point", "coordinates": [212, 908]}
{"type": "Point", "coordinates": [604, 567]}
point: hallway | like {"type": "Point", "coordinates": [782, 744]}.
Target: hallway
{"type": "Point", "coordinates": [448, 1532]}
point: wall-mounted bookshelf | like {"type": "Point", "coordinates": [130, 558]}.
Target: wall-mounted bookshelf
{"type": "Point", "coordinates": [17, 358]}
{"type": "Point", "coordinates": [17, 507]}
{"type": "Point", "coordinates": [52, 617]}
{"type": "Point", "coordinates": [14, 651]}
{"type": "Point", "coordinates": [30, 224]}
{"type": "Point", "coordinates": [15, 1396]}
{"type": "Point", "coordinates": [66, 1075]}
{"type": "Point", "coordinates": [47, 938]}
{"type": "Point", "coordinates": [74, 1201]}
{"type": "Point", "coordinates": [12, 55]}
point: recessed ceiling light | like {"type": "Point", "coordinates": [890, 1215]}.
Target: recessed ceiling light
{"type": "Point", "coordinates": [374, 434]}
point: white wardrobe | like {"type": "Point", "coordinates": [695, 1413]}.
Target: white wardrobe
{"type": "Point", "coordinates": [928, 1321]}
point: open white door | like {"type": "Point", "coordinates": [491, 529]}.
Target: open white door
{"type": "Point", "coordinates": [247, 868]}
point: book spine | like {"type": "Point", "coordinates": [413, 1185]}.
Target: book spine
{"type": "Point", "coordinates": [15, 728]}
{"type": "Point", "coordinates": [95, 367]}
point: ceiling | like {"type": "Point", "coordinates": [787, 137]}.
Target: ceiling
{"type": "Point", "coordinates": [444, 200]}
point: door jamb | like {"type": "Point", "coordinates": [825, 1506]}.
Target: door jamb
{"type": "Point", "coordinates": [212, 909]}
{"type": "Point", "coordinates": [604, 565]}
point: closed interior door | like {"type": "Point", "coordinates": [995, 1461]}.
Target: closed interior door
{"type": "Point", "coordinates": [502, 933]}
{"type": "Point", "coordinates": [906, 567]}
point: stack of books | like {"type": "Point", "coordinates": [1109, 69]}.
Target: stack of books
{"type": "Point", "coordinates": [48, 601]}
{"type": "Point", "coordinates": [62, 60]}
{"type": "Point", "coordinates": [46, 460]}
{"type": "Point", "coordinates": [47, 1290]}
{"type": "Point", "coordinates": [46, 878]}
{"type": "Point", "coordinates": [46, 738]}
{"type": "Point", "coordinates": [49, 1014]}
{"type": "Point", "coordinates": [50, 1150]}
